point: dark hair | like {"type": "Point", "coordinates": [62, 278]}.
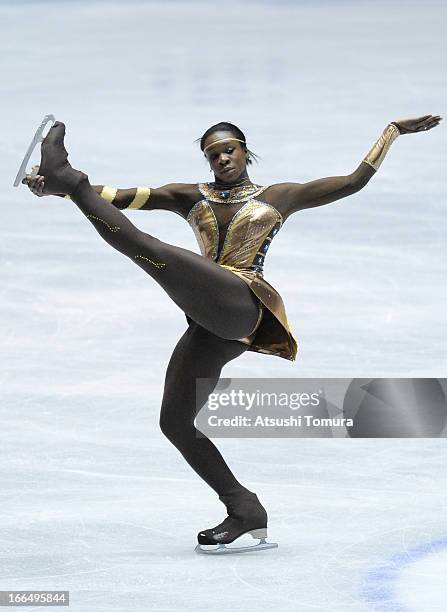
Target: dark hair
{"type": "Point", "coordinates": [226, 126]}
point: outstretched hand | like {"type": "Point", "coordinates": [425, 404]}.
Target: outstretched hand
{"type": "Point", "coordinates": [35, 183]}
{"type": "Point", "coordinates": [418, 124]}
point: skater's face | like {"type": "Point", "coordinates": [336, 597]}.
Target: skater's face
{"type": "Point", "coordinates": [228, 158]}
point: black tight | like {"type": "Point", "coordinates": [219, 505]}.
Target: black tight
{"type": "Point", "coordinates": [198, 354]}
{"type": "Point", "coordinates": [222, 308]}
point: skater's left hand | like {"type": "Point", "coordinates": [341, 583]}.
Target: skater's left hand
{"type": "Point", "coordinates": [418, 124]}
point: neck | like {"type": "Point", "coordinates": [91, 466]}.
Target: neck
{"type": "Point", "coordinates": [243, 179]}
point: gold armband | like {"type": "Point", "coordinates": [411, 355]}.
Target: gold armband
{"type": "Point", "coordinates": [140, 199]}
{"type": "Point", "coordinates": [380, 149]}
{"type": "Point", "coordinates": [141, 196]}
{"type": "Point", "coordinates": [108, 193]}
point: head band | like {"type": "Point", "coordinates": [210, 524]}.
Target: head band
{"type": "Point", "coordinates": [222, 140]}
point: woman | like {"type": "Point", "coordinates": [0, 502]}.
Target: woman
{"type": "Point", "coordinates": [229, 306]}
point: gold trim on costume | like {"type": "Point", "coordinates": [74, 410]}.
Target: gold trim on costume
{"type": "Point", "coordinates": [377, 154]}
{"type": "Point", "coordinates": [241, 247]}
{"type": "Point", "coordinates": [230, 195]}
{"type": "Point", "coordinates": [141, 197]}
{"type": "Point", "coordinates": [280, 340]}
{"type": "Point", "coordinates": [204, 224]}
{"type": "Point", "coordinates": [108, 193]}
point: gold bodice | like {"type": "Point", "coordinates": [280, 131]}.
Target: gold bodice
{"type": "Point", "coordinates": [233, 227]}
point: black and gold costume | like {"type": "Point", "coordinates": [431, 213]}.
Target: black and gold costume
{"type": "Point", "coordinates": [235, 228]}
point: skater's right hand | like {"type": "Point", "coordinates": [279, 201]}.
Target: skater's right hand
{"type": "Point", "coordinates": [36, 184]}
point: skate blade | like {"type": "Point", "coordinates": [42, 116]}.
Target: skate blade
{"type": "Point", "coordinates": [225, 549]}
{"type": "Point", "coordinates": [37, 139]}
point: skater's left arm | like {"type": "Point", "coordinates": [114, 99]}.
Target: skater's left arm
{"type": "Point", "coordinates": [293, 197]}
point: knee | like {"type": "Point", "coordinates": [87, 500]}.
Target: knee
{"type": "Point", "coordinates": [137, 244]}
{"type": "Point", "coordinates": [166, 426]}
{"type": "Point", "coordinates": [172, 427]}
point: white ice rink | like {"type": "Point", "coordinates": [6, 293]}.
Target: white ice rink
{"type": "Point", "coordinates": [94, 499]}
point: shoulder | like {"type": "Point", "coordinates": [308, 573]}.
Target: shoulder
{"type": "Point", "coordinates": [187, 191]}
{"type": "Point", "coordinates": [282, 196]}
{"type": "Point", "coordinates": [178, 197]}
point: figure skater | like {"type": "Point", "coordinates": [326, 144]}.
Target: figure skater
{"type": "Point", "coordinates": [229, 306]}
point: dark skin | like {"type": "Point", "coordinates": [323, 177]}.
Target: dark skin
{"type": "Point", "coordinates": [287, 198]}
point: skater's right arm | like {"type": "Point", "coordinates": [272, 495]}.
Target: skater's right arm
{"type": "Point", "coordinates": [174, 197]}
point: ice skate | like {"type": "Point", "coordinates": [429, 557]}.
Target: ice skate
{"type": "Point", "coordinates": [60, 177]}
{"type": "Point", "coordinates": [246, 517]}
{"type": "Point", "coordinates": [37, 139]}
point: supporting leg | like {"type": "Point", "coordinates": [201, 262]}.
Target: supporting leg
{"type": "Point", "coordinates": [198, 354]}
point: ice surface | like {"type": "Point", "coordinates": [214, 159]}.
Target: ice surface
{"type": "Point", "coordinates": [94, 499]}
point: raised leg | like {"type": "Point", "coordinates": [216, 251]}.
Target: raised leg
{"type": "Point", "coordinates": [212, 296]}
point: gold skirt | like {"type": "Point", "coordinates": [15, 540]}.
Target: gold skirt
{"type": "Point", "coordinates": [272, 334]}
